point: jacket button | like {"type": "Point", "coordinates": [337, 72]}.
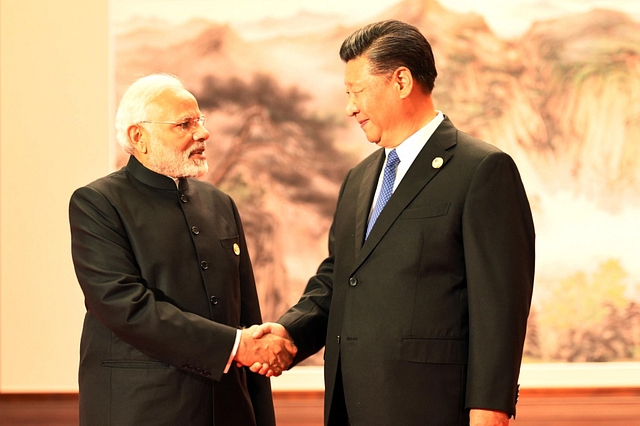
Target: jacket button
{"type": "Point", "coordinates": [183, 198]}
{"type": "Point", "coordinates": [353, 282]}
{"type": "Point", "coordinates": [204, 265]}
{"type": "Point", "coordinates": [206, 373]}
{"type": "Point", "coordinates": [195, 230]}
{"type": "Point", "coordinates": [214, 300]}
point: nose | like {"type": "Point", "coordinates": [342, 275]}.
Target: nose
{"type": "Point", "coordinates": [201, 133]}
{"type": "Point", "coordinates": [352, 108]}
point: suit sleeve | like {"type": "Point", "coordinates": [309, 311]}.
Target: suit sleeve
{"type": "Point", "coordinates": [116, 294]}
{"type": "Point", "coordinates": [307, 320]}
{"type": "Point", "coordinates": [499, 248]}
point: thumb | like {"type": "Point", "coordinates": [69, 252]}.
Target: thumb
{"type": "Point", "coordinates": [261, 330]}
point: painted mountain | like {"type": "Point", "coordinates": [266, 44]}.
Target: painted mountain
{"type": "Point", "coordinates": [563, 99]}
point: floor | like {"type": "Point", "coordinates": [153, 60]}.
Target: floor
{"type": "Point", "coordinates": [554, 408]}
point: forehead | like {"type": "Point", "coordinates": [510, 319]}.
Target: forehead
{"type": "Point", "coordinates": [356, 71]}
{"type": "Point", "coordinates": [174, 103]}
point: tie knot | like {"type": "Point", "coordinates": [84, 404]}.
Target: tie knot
{"type": "Point", "coordinates": [393, 159]}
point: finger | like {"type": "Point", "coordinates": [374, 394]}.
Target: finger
{"type": "Point", "coordinates": [280, 356]}
{"type": "Point", "coordinates": [288, 354]}
{"type": "Point", "coordinates": [261, 330]}
{"type": "Point", "coordinates": [264, 369]}
{"type": "Point", "coordinates": [285, 360]}
{"type": "Point", "coordinates": [282, 364]}
{"type": "Point", "coordinates": [253, 328]}
{"type": "Point", "coordinates": [260, 368]}
{"type": "Point", "coordinates": [291, 348]}
{"type": "Point", "coordinates": [274, 371]}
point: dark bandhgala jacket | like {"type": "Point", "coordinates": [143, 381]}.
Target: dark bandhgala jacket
{"type": "Point", "coordinates": [167, 281]}
{"type": "Point", "coordinates": [427, 317]}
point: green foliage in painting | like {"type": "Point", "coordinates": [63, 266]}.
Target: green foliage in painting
{"type": "Point", "coordinates": [590, 318]}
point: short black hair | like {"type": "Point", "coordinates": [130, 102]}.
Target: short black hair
{"type": "Point", "coordinates": [392, 44]}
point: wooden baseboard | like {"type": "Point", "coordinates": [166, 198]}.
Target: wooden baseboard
{"type": "Point", "coordinates": [602, 406]}
{"type": "Point", "coordinates": [73, 396]}
{"type": "Point", "coordinates": [316, 394]}
{"type": "Point", "coordinates": [39, 396]}
{"type": "Point", "coordinates": [580, 392]}
{"type": "Point", "coordinates": [290, 394]}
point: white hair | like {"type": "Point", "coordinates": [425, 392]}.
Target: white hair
{"type": "Point", "coordinates": [135, 102]}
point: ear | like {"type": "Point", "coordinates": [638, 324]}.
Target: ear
{"type": "Point", "coordinates": [137, 138]}
{"type": "Point", "coordinates": [403, 80]}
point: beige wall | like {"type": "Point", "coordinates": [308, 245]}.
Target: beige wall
{"type": "Point", "coordinates": [54, 131]}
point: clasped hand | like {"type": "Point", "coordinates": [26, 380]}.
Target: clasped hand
{"type": "Point", "coordinates": [266, 349]}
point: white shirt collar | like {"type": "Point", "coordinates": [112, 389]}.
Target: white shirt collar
{"type": "Point", "coordinates": [409, 149]}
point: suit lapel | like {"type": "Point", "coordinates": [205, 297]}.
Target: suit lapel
{"type": "Point", "coordinates": [419, 174]}
{"type": "Point", "coordinates": [365, 197]}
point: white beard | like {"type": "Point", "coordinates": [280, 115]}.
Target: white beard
{"type": "Point", "coordinates": [177, 164]}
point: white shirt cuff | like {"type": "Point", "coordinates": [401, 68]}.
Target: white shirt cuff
{"type": "Point", "coordinates": [233, 351]}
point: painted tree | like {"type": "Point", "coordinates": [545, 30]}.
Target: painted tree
{"type": "Point", "coordinates": [279, 162]}
{"type": "Point", "coordinates": [591, 318]}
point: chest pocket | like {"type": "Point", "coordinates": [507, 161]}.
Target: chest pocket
{"type": "Point", "coordinates": [433, 210]}
{"type": "Point", "coordinates": [231, 245]}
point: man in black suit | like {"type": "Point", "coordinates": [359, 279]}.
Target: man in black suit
{"type": "Point", "coordinates": [167, 279]}
{"type": "Point", "coordinates": [423, 301]}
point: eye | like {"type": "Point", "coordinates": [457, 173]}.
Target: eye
{"type": "Point", "coordinates": [186, 124]}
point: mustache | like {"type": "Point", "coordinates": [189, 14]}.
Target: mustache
{"type": "Point", "coordinates": [197, 147]}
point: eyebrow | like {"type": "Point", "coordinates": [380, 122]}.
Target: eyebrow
{"type": "Point", "coordinates": [188, 117]}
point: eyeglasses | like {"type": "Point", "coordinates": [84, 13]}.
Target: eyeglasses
{"type": "Point", "coordinates": [187, 125]}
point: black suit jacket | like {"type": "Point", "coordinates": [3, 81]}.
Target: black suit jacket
{"type": "Point", "coordinates": [427, 317]}
{"type": "Point", "coordinates": [167, 281]}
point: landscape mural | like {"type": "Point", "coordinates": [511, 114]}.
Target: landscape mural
{"type": "Point", "coordinates": [562, 97]}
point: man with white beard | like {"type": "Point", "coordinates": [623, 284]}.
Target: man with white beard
{"type": "Point", "coordinates": [163, 264]}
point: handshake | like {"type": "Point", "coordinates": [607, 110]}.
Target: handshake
{"type": "Point", "coordinates": [266, 349]}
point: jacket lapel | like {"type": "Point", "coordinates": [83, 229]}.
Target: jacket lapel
{"type": "Point", "coordinates": [419, 174]}
{"type": "Point", "coordinates": [365, 197]}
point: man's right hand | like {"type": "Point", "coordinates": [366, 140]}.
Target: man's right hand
{"type": "Point", "coordinates": [265, 352]}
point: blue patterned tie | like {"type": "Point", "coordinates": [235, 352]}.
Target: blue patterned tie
{"type": "Point", "coordinates": [387, 188]}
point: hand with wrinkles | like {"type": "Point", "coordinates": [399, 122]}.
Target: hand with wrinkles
{"type": "Point", "coordinates": [266, 353]}
{"type": "Point", "coordinates": [262, 331]}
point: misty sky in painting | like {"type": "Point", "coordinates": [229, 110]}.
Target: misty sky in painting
{"type": "Point", "coordinates": [506, 19]}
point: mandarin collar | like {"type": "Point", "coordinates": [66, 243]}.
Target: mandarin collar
{"type": "Point", "coordinates": [153, 179]}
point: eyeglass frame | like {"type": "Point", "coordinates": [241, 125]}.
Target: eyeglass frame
{"type": "Point", "coordinates": [191, 120]}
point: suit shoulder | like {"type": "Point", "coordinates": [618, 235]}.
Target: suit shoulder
{"type": "Point", "coordinates": [106, 183]}
{"type": "Point", "coordinates": [476, 151]}
{"type": "Point", "coordinates": [472, 144]}
{"type": "Point", "coordinates": [447, 135]}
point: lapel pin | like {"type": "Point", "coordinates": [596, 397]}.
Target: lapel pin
{"type": "Point", "coordinates": [236, 249]}
{"type": "Point", "coordinates": [437, 162]}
